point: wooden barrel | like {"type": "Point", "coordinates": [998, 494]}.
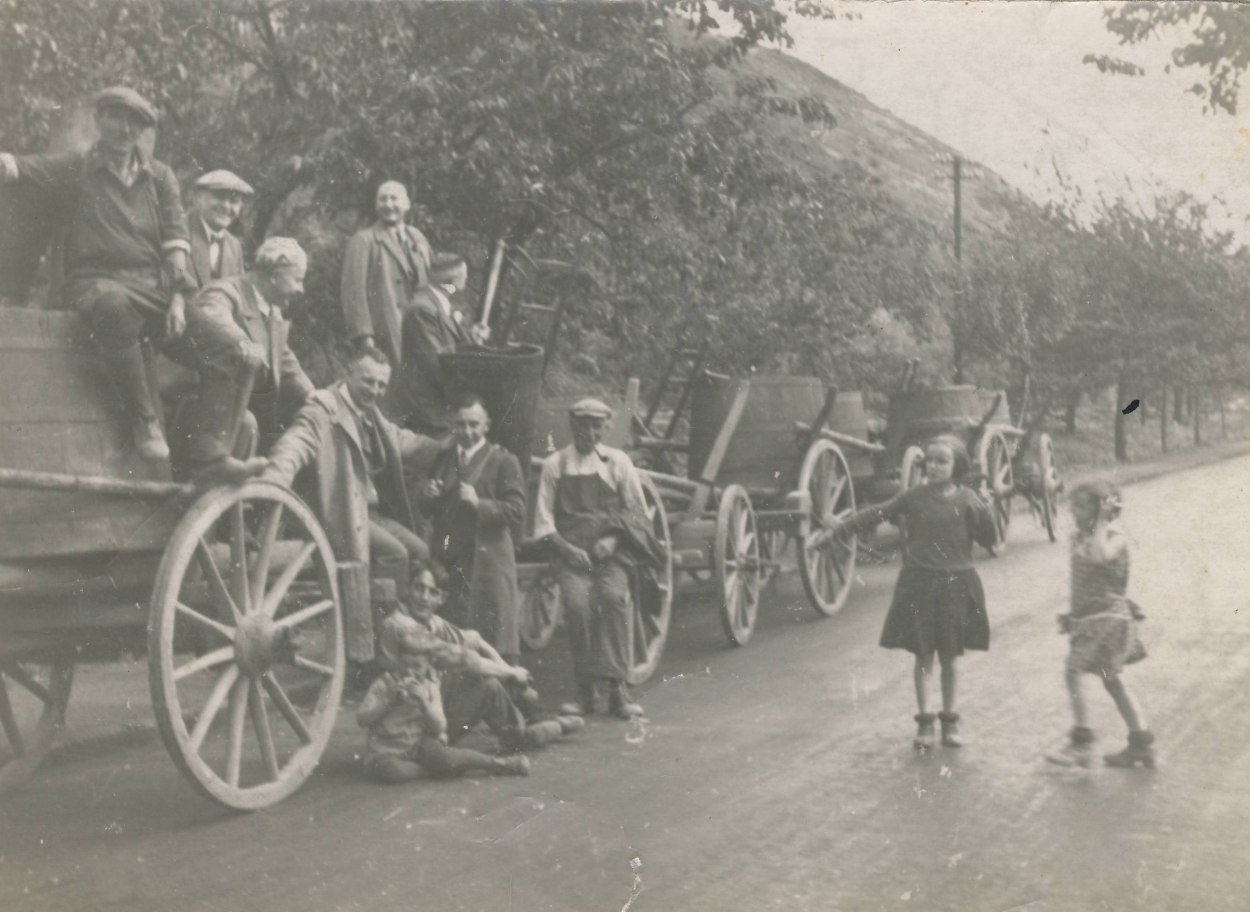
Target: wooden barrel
{"type": "Point", "coordinates": [509, 380]}
{"type": "Point", "coordinates": [59, 414]}
{"type": "Point", "coordinates": [916, 415]}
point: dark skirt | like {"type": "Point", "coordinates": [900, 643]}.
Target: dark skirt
{"type": "Point", "coordinates": [940, 611]}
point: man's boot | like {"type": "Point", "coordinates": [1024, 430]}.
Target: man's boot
{"type": "Point", "coordinates": [619, 703]}
{"type": "Point", "coordinates": [130, 371]}
{"type": "Point", "coordinates": [1140, 750]}
{"type": "Point", "coordinates": [584, 705]}
{"type": "Point", "coordinates": [219, 410]}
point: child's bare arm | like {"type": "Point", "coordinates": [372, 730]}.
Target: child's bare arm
{"type": "Point", "coordinates": [377, 701]}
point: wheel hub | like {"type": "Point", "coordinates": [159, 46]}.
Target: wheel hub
{"type": "Point", "coordinates": [254, 644]}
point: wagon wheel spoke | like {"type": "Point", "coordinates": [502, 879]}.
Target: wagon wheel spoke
{"type": "Point", "coordinates": [282, 584]}
{"type": "Point", "coordinates": [264, 735]}
{"type": "Point", "coordinates": [188, 611]}
{"type": "Point", "coordinates": [268, 537]}
{"type": "Point", "coordinates": [310, 665]}
{"type": "Point", "coordinates": [21, 676]}
{"type": "Point", "coordinates": [238, 716]}
{"type": "Point", "coordinates": [238, 558]}
{"type": "Point", "coordinates": [208, 660]}
{"type": "Point", "coordinates": [285, 707]}
{"type": "Point", "coordinates": [212, 706]}
{"type": "Point", "coordinates": [9, 721]}
{"type": "Point", "coordinates": [295, 618]}
{"type": "Point", "coordinates": [216, 584]}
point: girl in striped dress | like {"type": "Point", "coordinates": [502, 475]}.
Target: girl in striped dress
{"type": "Point", "coordinates": [1101, 627]}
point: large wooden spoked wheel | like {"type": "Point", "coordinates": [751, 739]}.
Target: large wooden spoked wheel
{"type": "Point", "coordinates": [651, 593]}
{"type": "Point", "coordinates": [33, 697]}
{"type": "Point", "coordinates": [247, 665]}
{"type": "Point", "coordinates": [541, 611]}
{"type": "Point", "coordinates": [827, 570]}
{"type": "Point", "coordinates": [736, 559]}
{"type": "Point", "coordinates": [1048, 487]}
{"type": "Point", "coordinates": [998, 480]}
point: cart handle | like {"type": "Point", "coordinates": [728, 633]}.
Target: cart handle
{"type": "Point", "coordinates": [92, 484]}
{"type": "Point", "coordinates": [840, 438]}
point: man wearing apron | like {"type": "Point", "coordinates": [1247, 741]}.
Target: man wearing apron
{"type": "Point", "coordinates": [591, 510]}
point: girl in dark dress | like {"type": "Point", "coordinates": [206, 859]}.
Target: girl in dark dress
{"type": "Point", "coordinates": [938, 605]}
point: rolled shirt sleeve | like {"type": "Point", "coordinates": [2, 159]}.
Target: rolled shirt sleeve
{"type": "Point", "coordinates": [544, 509]}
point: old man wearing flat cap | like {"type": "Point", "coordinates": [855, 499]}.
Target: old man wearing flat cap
{"type": "Point", "coordinates": [125, 246]}
{"type": "Point", "coordinates": [236, 339]}
{"type": "Point", "coordinates": [215, 252]}
{"type": "Point", "coordinates": [592, 512]}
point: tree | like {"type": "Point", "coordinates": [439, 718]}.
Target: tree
{"type": "Point", "coordinates": [1216, 40]}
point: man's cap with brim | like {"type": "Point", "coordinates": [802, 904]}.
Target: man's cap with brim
{"type": "Point", "coordinates": [129, 99]}
{"type": "Point", "coordinates": [444, 265]}
{"type": "Point", "coordinates": [591, 408]}
{"type": "Point", "coordinates": [224, 182]}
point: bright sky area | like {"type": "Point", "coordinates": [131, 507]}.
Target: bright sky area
{"type": "Point", "coordinates": [1004, 83]}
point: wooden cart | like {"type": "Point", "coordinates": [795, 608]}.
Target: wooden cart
{"type": "Point", "coordinates": [1007, 460]}
{"type": "Point", "coordinates": [234, 594]}
{"type": "Point", "coordinates": [769, 460]}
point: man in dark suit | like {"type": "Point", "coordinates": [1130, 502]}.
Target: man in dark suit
{"type": "Point", "coordinates": [236, 339]}
{"type": "Point", "coordinates": [475, 499]}
{"type": "Point", "coordinates": [433, 326]}
{"type": "Point", "coordinates": [215, 252]}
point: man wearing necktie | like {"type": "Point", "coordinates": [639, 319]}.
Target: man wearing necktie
{"type": "Point", "coordinates": [215, 252]}
{"type": "Point", "coordinates": [475, 499]}
{"type": "Point", "coordinates": [236, 340]}
{"type": "Point", "coordinates": [383, 266]}
{"type": "Point", "coordinates": [356, 460]}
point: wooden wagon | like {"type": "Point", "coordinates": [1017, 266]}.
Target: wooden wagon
{"type": "Point", "coordinates": [1007, 460]}
{"type": "Point", "coordinates": [234, 594]}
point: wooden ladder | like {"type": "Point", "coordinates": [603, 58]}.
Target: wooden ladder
{"type": "Point", "coordinates": [685, 365]}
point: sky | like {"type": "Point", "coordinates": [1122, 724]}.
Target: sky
{"type": "Point", "coordinates": [1004, 83]}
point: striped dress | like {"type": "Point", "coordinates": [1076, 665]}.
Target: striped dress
{"type": "Point", "coordinates": [1103, 635]}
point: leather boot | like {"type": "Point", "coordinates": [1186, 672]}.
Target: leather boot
{"type": "Point", "coordinates": [220, 406]}
{"type": "Point", "coordinates": [950, 729]}
{"type": "Point", "coordinates": [1140, 750]}
{"type": "Point", "coordinates": [130, 372]}
{"type": "Point", "coordinates": [619, 703]}
{"type": "Point", "coordinates": [925, 735]}
{"type": "Point", "coordinates": [1077, 752]}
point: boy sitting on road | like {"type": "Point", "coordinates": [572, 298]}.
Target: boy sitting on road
{"type": "Point", "coordinates": [403, 711]}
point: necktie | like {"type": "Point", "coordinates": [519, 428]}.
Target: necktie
{"type": "Point", "coordinates": [214, 255]}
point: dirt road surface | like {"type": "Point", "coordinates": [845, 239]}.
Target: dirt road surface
{"type": "Point", "coordinates": [776, 776]}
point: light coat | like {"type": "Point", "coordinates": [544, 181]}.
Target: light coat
{"type": "Point", "coordinates": [378, 281]}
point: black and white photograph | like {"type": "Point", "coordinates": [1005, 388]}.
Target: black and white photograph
{"type": "Point", "coordinates": [624, 455]}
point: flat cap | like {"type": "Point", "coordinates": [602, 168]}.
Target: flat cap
{"type": "Point", "coordinates": [225, 181]}
{"type": "Point", "coordinates": [443, 265]}
{"type": "Point", "coordinates": [123, 97]}
{"type": "Point", "coordinates": [590, 408]}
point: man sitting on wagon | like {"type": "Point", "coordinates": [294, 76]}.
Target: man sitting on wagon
{"type": "Point", "coordinates": [592, 511]}
{"type": "Point", "coordinates": [125, 247]}
{"type": "Point", "coordinates": [215, 252]}
{"type": "Point", "coordinates": [236, 339]}
{"type": "Point", "coordinates": [358, 459]}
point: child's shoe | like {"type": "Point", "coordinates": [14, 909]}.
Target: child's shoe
{"type": "Point", "coordinates": [570, 724]}
{"type": "Point", "coordinates": [620, 704]}
{"type": "Point", "coordinates": [925, 735]}
{"type": "Point", "coordinates": [950, 730]}
{"type": "Point", "coordinates": [541, 733]}
{"type": "Point", "coordinates": [1140, 750]}
{"type": "Point", "coordinates": [584, 705]}
{"type": "Point", "coordinates": [1079, 751]}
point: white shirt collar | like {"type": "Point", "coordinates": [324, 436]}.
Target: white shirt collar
{"type": "Point", "coordinates": [466, 455]}
{"type": "Point", "coordinates": [218, 236]}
